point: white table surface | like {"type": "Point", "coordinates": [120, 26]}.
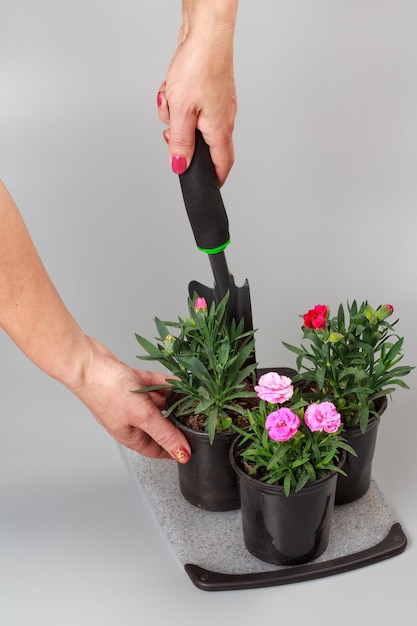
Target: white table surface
{"type": "Point", "coordinates": [79, 544]}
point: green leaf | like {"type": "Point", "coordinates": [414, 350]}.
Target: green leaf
{"type": "Point", "coordinates": [145, 357]}
{"type": "Point", "coordinates": [294, 349]}
{"type": "Point", "coordinates": [399, 383]}
{"type": "Point", "coordinates": [195, 366]}
{"type": "Point", "coordinates": [341, 318]}
{"type": "Point", "coordinates": [353, 371]}
{"type": "Point", "coordinates": [226, 423]}
{"type": "Point", "coordinates": [363, 417]}
{"type": "Point", "coordinates": [149, 347]}
{"type": "Point", "coordinates": [302, 481]}
{"type": "Point", "coordinates": [392, 353]}
{"type": "Point", "coordinates": [179, 406]}
{"type": "Point", "coordinates": [162, 329]}
{"type": "Point", "coordinates": [278, 455]}
{"type": "Point", "coordinates": [151, 388]}
{"type": "Point", "coordinates": [287, 484]}
{"type": "Point", "coordinates": [224, 354]}
{"type": "Point", "coordinates": [320, 377]}
{"type": "Point", "coordinates": [347, 447]}
{"type": "Point", "coordinates": [311, 471]}
{"type": "Point", "coordinates": [244, 374]}
{"type": "Point", "coordinates": [236, 363]}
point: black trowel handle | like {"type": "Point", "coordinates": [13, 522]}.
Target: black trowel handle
{"type": "Point", "coordinates": [203, 202]}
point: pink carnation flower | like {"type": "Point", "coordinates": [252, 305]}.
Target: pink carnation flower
{"type": "Point", "coordinates": [274, 388]}
{"type": "Point", "coordinates": [323, 416]}
{"type": "Point", "coordinates": [282, 424]}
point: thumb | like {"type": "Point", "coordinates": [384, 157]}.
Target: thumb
{"type": "Point", "coordinates": [163, 433]}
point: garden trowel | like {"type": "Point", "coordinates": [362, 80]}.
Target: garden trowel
{"type": "Point", "coordinates": [210, 225]}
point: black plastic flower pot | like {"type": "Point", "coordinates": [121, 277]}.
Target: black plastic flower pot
{"type": "Point", "coordinates": [208, 481]}
{"type": "Point", "coordinates": [359, 469]}
{"type": "Point", "coordinates": [280, 529]}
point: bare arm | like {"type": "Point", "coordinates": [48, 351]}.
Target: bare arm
{"type": "Point", "coordinates": [34, 316]}
{"type": "Point", "coordinates": [199, 91]}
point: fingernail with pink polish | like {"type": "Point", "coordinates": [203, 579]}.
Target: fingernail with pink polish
{"type": "Point", "coordinates": [178, 164]}
{"type": "Point", "coordinates": [159, 99]}
{"type": "Point", "coordinates": [182, 455]}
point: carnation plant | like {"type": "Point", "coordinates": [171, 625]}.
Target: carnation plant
{"type": "Point", "coordinates": [290, 443]}
{"type": "Point", "coordinates": [211, 360]}
{"type": "Point", "coordinates": [351, 359]}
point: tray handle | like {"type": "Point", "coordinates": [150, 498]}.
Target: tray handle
{"type": "Point", "coordinates": [393, 544]}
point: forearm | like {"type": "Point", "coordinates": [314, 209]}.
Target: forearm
{"type": "Point", "coordinates": [213, 12]}
{"type": "Point", "coordinates": [31, 311]}
{"type": "Point", "coordinates": [212, 22]}
{"type": "Point", "coordinates": [36, 319]}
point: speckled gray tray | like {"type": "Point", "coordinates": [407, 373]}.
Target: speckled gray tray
{"type": "Point", "coordinates": [356, 528]}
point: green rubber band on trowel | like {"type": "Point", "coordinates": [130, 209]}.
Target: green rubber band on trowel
{"type": "Point", "coordinates": [215, 250]}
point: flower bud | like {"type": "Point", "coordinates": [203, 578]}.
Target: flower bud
{"type": "Point", "coordinates": [168, 344]}
{"type": "Point", "coordinates": [385, 310]}
{"type": "Point", "coordinates": [200, 305]}
{"type": "Point", "coordinates": [370, 313]}
{"type": "Point", "coordinates": [335, 337]}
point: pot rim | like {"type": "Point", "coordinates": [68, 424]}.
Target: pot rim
{"type": "Point", "coordinates": [373, 420]}
{"type": "Point", "coordinates": [223, 434]}
{"type": "Point", "coordinates": [372, 423]}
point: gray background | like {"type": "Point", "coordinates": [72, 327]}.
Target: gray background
{"type": "Point", "coordinates": [321, 203]}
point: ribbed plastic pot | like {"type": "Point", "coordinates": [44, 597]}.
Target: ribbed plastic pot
{"type": "Point", "coordinates": [359, 469]}
{"type": "Point", "coordinates": [208, 481]}
{"type": "Point", "coordinates": [280, 529]}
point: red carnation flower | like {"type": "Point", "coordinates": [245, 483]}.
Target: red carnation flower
{"type": "Point", "coordinates": [316, 318]}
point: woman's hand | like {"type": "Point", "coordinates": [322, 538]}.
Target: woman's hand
{"type": "Point", "coordinates": [199, 91]}
{"type": "Point", "coordinates": [133, 419]}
